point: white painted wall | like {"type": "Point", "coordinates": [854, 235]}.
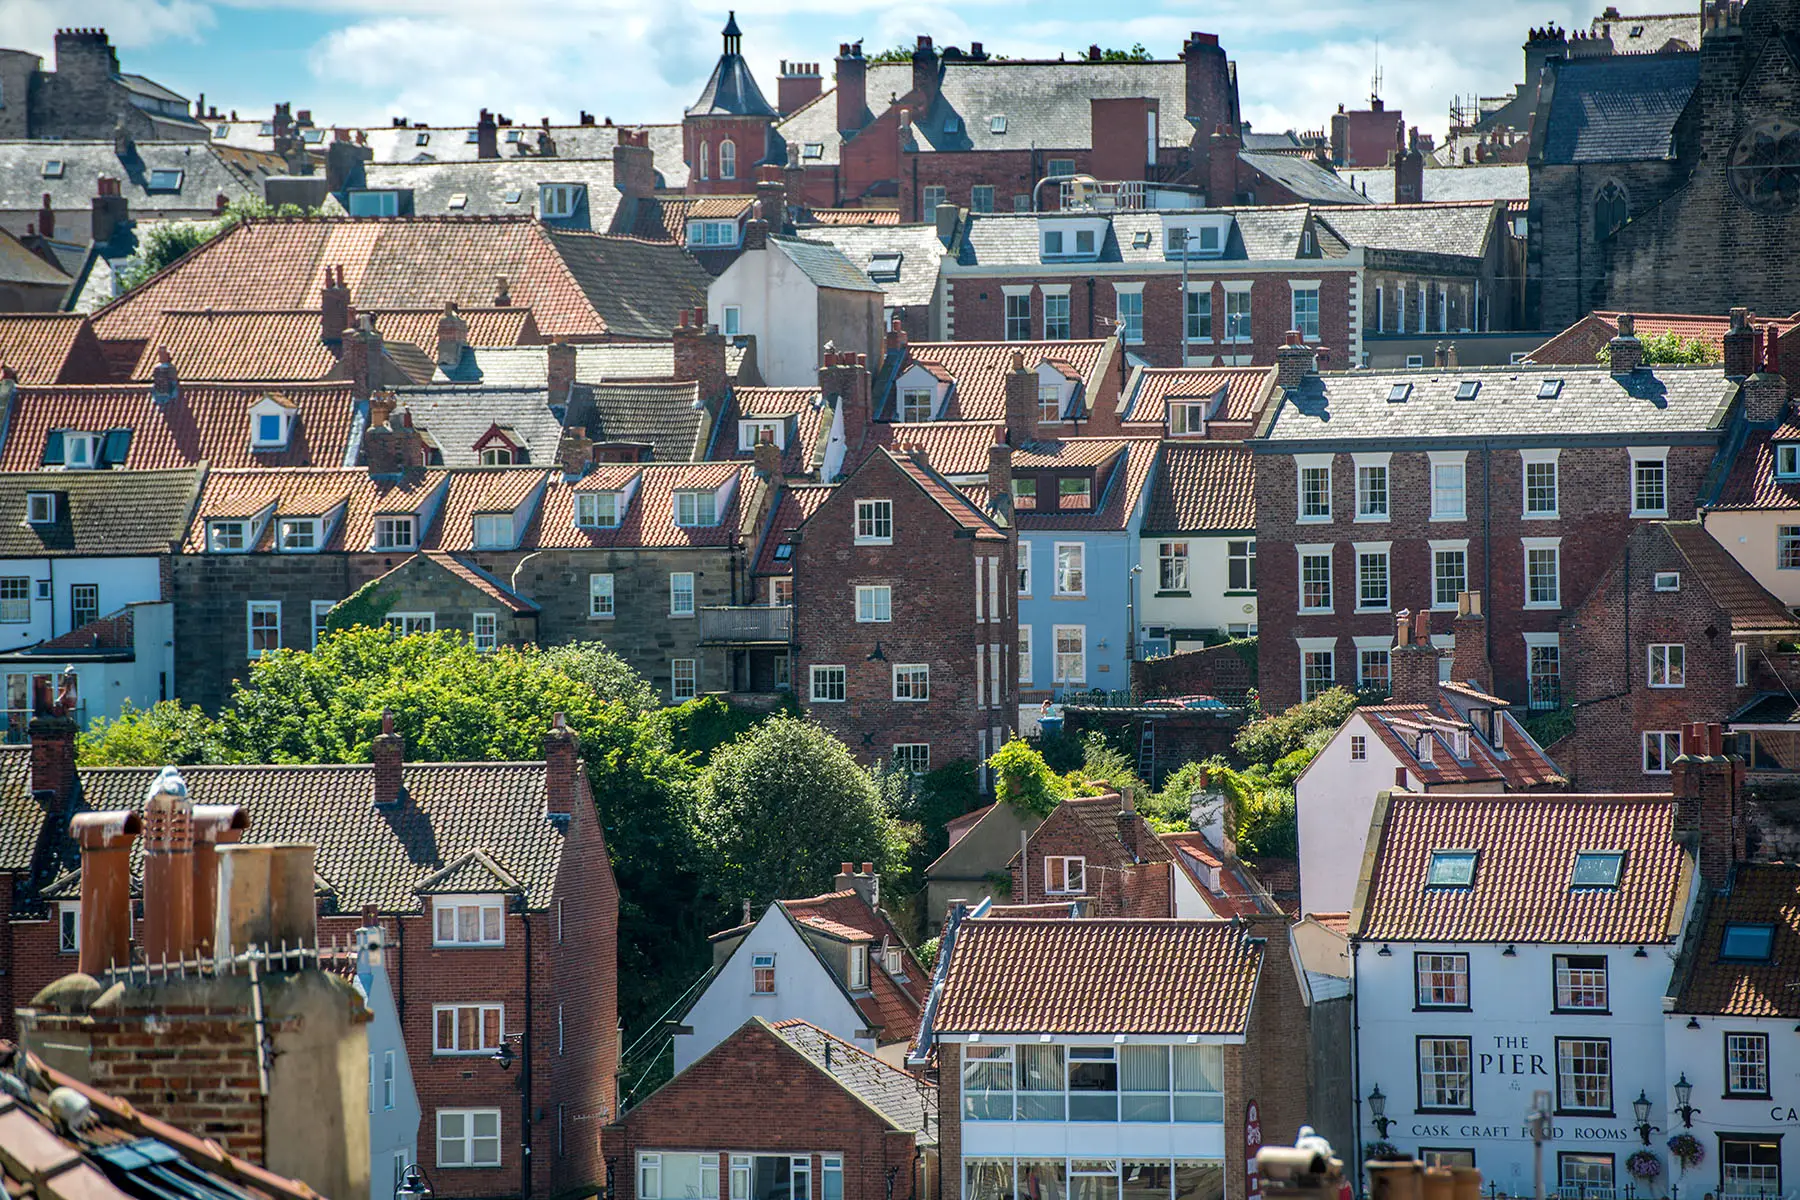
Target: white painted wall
{"type": "Point", "coordinates": [1751, 537]}
{"type": "Point", "coordinates": [1334, 801]}
{"type": "Point", "coordinates": [122, 581]}
{"type": "Point", "coordinates": [804, 990]}
{"type": "Point", "coordinates": [1513, 1033]}
{"type": "Point", "coordinates": [1206, 606]}
{"type": "Point", "coordinates": [779, 306]}
{"type": "Point", "coordinates": [1701, 1054]}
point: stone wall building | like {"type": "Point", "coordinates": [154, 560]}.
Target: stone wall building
{"type": "Point", "coordinates": [86, 95]}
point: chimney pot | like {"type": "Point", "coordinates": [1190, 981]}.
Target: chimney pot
{"type": "Point", "coordinates": [168, 869]}
{"type": "Point", "coordinates": [105, 839]}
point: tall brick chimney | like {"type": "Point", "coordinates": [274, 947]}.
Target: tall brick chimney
{"type": "Point", "coordinates": [52, 731]}
{"type": "Point", "coordinates": [844, 378]}
{"type": "Point", "coordinates": [452, 337]}
{"type": "Point", "coordinates": [334, 308]}
{"type": "Point", "coordinates": [105, 839]}
{"type": "Point", "coordinates": [1021, 403]}
{"type": "Point", "coordinates": [110, 209]}
{"type": "Point", "coordinates": [767, 456]}
{"type": "Point", "coordinates": [562, 767]}
{"type": "Point", "coordinates": [1222, 149]}
{"type": "Point", "coordinates": [393, 448]}
{"type": "Point", "coordinates": [487, 136]}
{"type": "Point", "coordinates": [165, 383]}
{"type": "Point", "coordinates": [559, 370]}
{"type": "Point", "coordinates": [756, 229]}
{"type": "Point", "coordinates": [1469, 661]}
{"type": "Point", "coordinates": [168, 869]}
{"type": "Point", "coordinates": [1409, 168]}
{"type": "Point", "coordinates": [388, 754]}
{"type": "Point", "coordinates": [1000, 478]}
{"type": "Point", "coordinates": [852, 88]}
{"type": "Point", "coordinates": [1709, 807]}
{"type": "Point", "coordinates": [1413, 662]}
{"type": "Point", "coordinates": [771, 195]}
{"type": "Point", "coordinates": [700, 354]}
{"type": "Point", "coordinates": [46, 221]}
{"type": "Point", "coordinates": [925, 71]}
{"type": "Point", "coordinates": [1293, 361]}
{"type": "Point", "coordinates": [1625, 352]}
{"type": "Point", "coordinates": [1739, 345]}
{"type": "Point", "coordinates": [362, 350]}
{"type": "Point", "coordinates": [865, 882]}
{"type": "Point", "coordinates": [798, 84]}
{"type": "Point", "coordinates": [1766, 391]}
{"type": "Point", "coordinates": [1211, 101]}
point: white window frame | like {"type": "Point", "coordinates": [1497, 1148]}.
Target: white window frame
{"type": "Point", "coordinates": [1065, 874]}
{"type": "Point", "coordinates": [1075, 573]}
{"type": "Point", "coordinates": [917, 404]}
{"type": "Point", "coordinates": [1366, 465]}
{"type": "Point", "coordinates": [68, 927]}
{"type": "Point", "coordinates": [1445, 461]}
{"type": "Point", "coordinates": [453, 907]}
{"type": "Point", "coordinates": [320, 610]}
{"type": "Point", "coordinates": [1024, 653]}
{"type": "Point", "coordinates": [263, 608]}
{"type": "Point", "coordinates": [1374, 550]}
{"type": "Point", "coordinates": [588, 510]}
{"type": "Point", "coordinates": [299, 535]}
{"type": "Point", "coordinates": [698, 502]}
{"type": "Point", "coordinates": [40, 508]}
{"type": "Point", "coordinates": [1024, 571]}
{"type": "Point", "coordinates": [1533, 643]}
{"type": "Point", "coordinates": [821, 672]}
{"type": "Point", "coordinates": [1309, 330]}
{"type": "Point", "coordinates": [1316, 645]}
{"type": "Point", "coordinates": [1667, 662]}
{"type": "Point", "coordinates": [412, 622]}
{"type": "Point", "coordinates": [759, 962]}
{"type": "Point", "coordinates": [481, 1009]}
{"type": "Point", "coordinates": [1303, 464]}
{"type": "Point", "coordinates": [484, 630]}
{"type": "Point", "coordinates": [731, 319]}
{"type": "Point", "coordinates": [388, 531]}
{"type": "Point", "coordinates": [751, 429]}
{"type": "Point", "coordinates": [1187, 418]}
{"type": "Point", "coordinates": [1448, 546]}
{"type": "Point", "coordinates": [493, 531]}
{"type": "Point", "coordinates": [221, 534]}
{"type": "Point", "coordinates": [1643, 456]}
{"type": "Point", "coordinates": [1131, 331]}
{"type": "Point", "coordinates": [1528, 545]}
{"type": "Point", "coordinates": [1065, 312]}
{"type": "Point", "coordinates": [1668, 742]}
{"type": "Point", "coordinates": [676, 680]}
{"type": "Point", "coordinates": [1787, 460]}
{"type": "Point", "coordinates": [602, 596]}
{"type": "Point", "coordinates": [465, 1157]}
{"type": "Point", "coordinates": [1059, 672]}
{"type": "Point", "coordinates": [1527, 460]}
{"type": "Point", "coordinates": [1239, 325]}
{"type": "Point", "coordinates": [1015, 327]}
{"type": "Point", "coordinates": [912, 682]}
{"type": "Point", "coordinates": [1740, 656]}
{"type": "Point", "coordinates": [874, 516]}
{"type": "Point", "coordinates": [676, 593]}
{"type": "Point", "coordinates": [880, 603]}
{"type": "Point", "coordinates": [1304, 551]}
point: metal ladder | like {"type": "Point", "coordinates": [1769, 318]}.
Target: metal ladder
{"type": "Point", "coordinates": [1147, 754]}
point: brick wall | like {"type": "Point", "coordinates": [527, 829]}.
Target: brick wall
{"type": "Point", "coordinates": [1223, 671]}
{"type": "Point", "coordinates": [1139, 890]}
{"type": "Point", "coordinates": [1273, 1064]}
{"type": "Point", "coordinates": [978, 309]}
{"type": "Point", "coordinates": [749, 134]}
{"type": "Point", "coordinates": [1593, 487]}
{"type": "Point", "coordinates": [721, 1104]}
{"type": "Point", "coordinates": [1181, 736]}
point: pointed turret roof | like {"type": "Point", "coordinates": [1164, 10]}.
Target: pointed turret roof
{"type": "Point", "coordinates": [731, 91]}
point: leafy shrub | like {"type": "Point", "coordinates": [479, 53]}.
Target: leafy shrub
{"type": "Point", "coordinates": [1269, 739]}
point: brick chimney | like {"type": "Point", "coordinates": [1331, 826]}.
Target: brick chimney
{"type": "Point", "coordinates": [362, 350]}
{"type": "Point", "coordinates": [394, 448]}
{"type": "Point", "coordinates": [896, 337]}
{"type": "Point", "coordinates": [562, 768]}
{"type": "Point", "coordinates": [168, 870]}
{"type": "Point", "coordinates": [575, 451]}
{"type": "Point", "coordinates": [1409, 168]}
{"type": "Point", "coordinates": [1625, 352]}
{"type": "Point", "coordinates": [1222, 167]}
{"type": "Point", "coordinates": [334, 308]}
{"type": "Point", "coordinates": [1413, 662]}
{"type": "Point", "coordinates": [452, 337]}
{"type": "Point", "coordinates": [487, 136]}
{"type": "Point", "coordinates": [1766, 392]}
{"type": "Point", "coordinates": [865, 883]}
{"type": "Point", "coordinates": [925, 71]}
{"type": "Point", "coordinates": [110, 210]}
{"type": "Point", "coordinates": [1021, 403]}
{"type": "Point", "coordinates": [798, 84]}
{"type": "Point", "coordinates": [559, 369]}
{"type": "Point", "coordinates": [756, 229]}
{"type": "Point", "coordinates": [768, 457]}
{"type": "Point", "coordinates": [1709, 808]}
{"type": "Point", "coordinates": [1739, 345]}
{"type": "Point", "coordinates": [165, 385]}
{"type": "Point", "coordinates": [1293, 361]}
{"type": "Point", "coordinates": [1211, 99]}
{"type": "Point", "coordinates": [771, 196]}
{"type": "Point", "coordinates": [844, 379]}
{"type": "Point", "coordinates": [388, 754]}
{"type": "Point", "coordinates": [700, 354]}
{"type": "Point", "coordinates": [1127, 821]}
{"type": "Point", "coordinates": [1468, 661]}
{"type": "Point", "coordinates": [105, 839]}
{"type": "Point", "coordinates": [1000, 478]}
{"type": "Point", "coordinates": [52, 731]}
{"type": "Point", "coordinates": [852, 88]}
{"type": "Point", "coordinates": [47, 219]}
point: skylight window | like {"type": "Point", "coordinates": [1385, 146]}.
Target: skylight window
{"type": "Point", "coordinates": [512, 135]}
{"type": "Point", "coordinates": [1399, 392]}
{"type": "Point", "coordinates": [1597, 869]}
{"type": "Point", "coordinates": [459, 199]}
{"type": "Point", "coordinates": [1451, 869]}
{"type": "Point", "coordinates": [220, 131]}
{"type": "Point", "coordinates": [422, 139]}
{"type": "Point", "coordinates": [474, 136]}
{"type": "Point", "coordinates": [53, 168]}
{"type": "Point", "coordinates": [1747, 943]}
{"type": "Point", "coordinates": [266, 129]}
{"type": "Point", "coordinates": [1468, 389]}
{"type": "Point", "coordinates": [1549, 389]}
{"type": "Point", "coordinates": [996, 124]}
{"type": "Point", "coordinates": [784, 552]}
{"type": "Point", "coordinates": [812, 150]}
{"type": "Point", "coordinates": [1140, 240]}
{"type": "Point", "coordinates": [313, 136]}
{"type": "Point", "coordinates": [514, 195]}
{"type": "Point", "coordinates": [952, 123]}
{"type": "Point", "coordinates": [166, 179]}
{"type": "Point", "coordinates": [885, 265]}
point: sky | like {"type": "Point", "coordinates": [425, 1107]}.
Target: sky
{"type": "Point", "coordinates": [359, 62]}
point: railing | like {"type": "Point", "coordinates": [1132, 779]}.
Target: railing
{"type": "Point", "coordinates": [18, 723]}
{"type": "Point", "coordinates": [747, 623]}
{"type": "Point", "coordinates": [1105, 195]}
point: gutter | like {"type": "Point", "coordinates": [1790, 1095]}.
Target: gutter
{"type": "Point", "coordinates": [946, 947]}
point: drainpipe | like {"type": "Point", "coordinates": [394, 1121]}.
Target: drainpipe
{"type": "Point", "coordinates": [1356, 1061]}
{"type": "Point", "coordinates": [1487, 566]}
{"type": "Point", "coordinates": [529, 1048]}
{"type": "Point", "coordinates": [1090, 315]}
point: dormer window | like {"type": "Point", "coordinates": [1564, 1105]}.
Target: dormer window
{"type": "Point", "coordinates": [1459, 744]}
{"type": "Point", "coordinates": [1024, 492]}
{"type": "Point", "coordinates": [500, 455]}
{"type": "Point", "coordinates": [1066, 238]}
{"type": "Point", "coordinates": [712, 233]}
{"type": "Point", "coordinates": [1597, 869]}
{"type": "Point", "coordinates": [1196, 238]}
{"type": "Point", "coordinates": [1787, 460]}
{"type": "Point", "coordinates": [916, 404]}
{"type": "Point", "coordinates": [1425, 748]}
{"type": "Point", "coordinates": [228, 537]}
{"type": "Point", "coordinates": [493, 531]}
{"type": "Point", "coordinates": [1451, 869]}
{"type": "Point", "coordinates": [1140, 240]}
{"type": "Point", "coordinates": [751, 432]}
{"type": "Point", "coordinates": [396, 533]}
{"type": "Point", "coordinates": [40, 508]}
{"type": "Point", "coordinates": [297, 535]}
{"type": "Point", "coordinates": [859, 968]}
{"type": "Point", "coordinates": [271, 424]}
{"type": "Point", "coordinates": [1187, 419]}
{"type": "Point", "coordinates": [1074, 493]}
{"type": "Point", "coordinates": [81, 451]}
{"type": "Point", "coordinates": [597, 510]}
{"type": "Point", "coordinates": [696, 508]}
{"type": "Point", "coordinates": [267, 129]}
{"type": "Point", "coordinates": [473, 136]}
{"type": "Point", "coordinates": [557, 200]}
{"type": "Point", "coordinates": [512, 135]}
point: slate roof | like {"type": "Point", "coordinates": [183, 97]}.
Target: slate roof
{"type": "Point", "coordinates": [1647, 34]}
{"type": "Point", "coordinates": [207, 172]}
{"type": "Point", "coordinates": [650, 520]}
{"type": "Point", "coordinates": [1099, 975]}
{"type": "Point", "coordinates": [893, 1093]}
{"type": "Point", "coordinates": [98, 512]}
{"type": "Point", "coordinates": [1246, 390]}
{"type": "Point", "coordinates": [1760, 894]}
{"type": "Point", "coordinates": [731, 91]}
{"type": "Point", "coordinates": [206, 422]}
{"type": "Point", "coordinates": [499, 187]}
{"type": "Point", "coordinates": [980, 370]}
{"type": "Point", "coordinates": [50, 348]}
{"type": "Point", "coordinates": [369, 855]}
{"type": "Point", "coordinates": [668, 414]}
{"type": "Point", "coordinates": [824, 264]}
{"type": "Point", "coordinates": [1593, 406]}
{"type": "Point", "coordinates": [1202, 487]}
{"type": "Point", "coordinates": [455, 417]}
{"type": "Point", "coordinates": [1484, 181]}
{"type": "Point", "coordinates": [452, 143]}
{"type": "Point", "coordinates": [1306, 179]}
{"type": "Point", "coordinates": [1751, 482]}
{"type": "Point", "coordinates": [1257, 234]}
{"type": "Point", "coordinates": [1616, 108]}
{"type": "Point", "coordinates": [21, 817]}
{"type": "Point", "coordinates": [1526, 847]}
{"type": "Point", "coordinates": [574, 283]}
{"type": "Point", "coordinates": [1748, 605]}
{"type": "Point", "coordinates": [19, 265]}
{"type": "Point", "coordinates": [1116, 495]}
{"type": "Point", "coordinates": [527, 366]}
{"type": "Point", "coordinates": [1462, 230]}
{"type": "Point", "coordinates": [921, 255]}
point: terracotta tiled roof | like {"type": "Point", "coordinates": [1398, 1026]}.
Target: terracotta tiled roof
{"type": "Point", "coordinates": [807, 417]}
{"type": "Point", "coordinates": [1099, 975]}
{"type": "Point", "coordinates": [1760, 894]}
{"type": "Point", "coordinates": [791, 511]}
{"type": "Point", "coordinates": [1581, 342]}
{"type": "Point", "coordinates": [479, 579]}
{"type": "Point", "coordinates": [1750, 606]}
{"type": "Point", "coordinates": [575, 284]}
{"type": "Point", "coordinates": [1525, 857]}
{"type": "Point", "coordinates": [111, 632]}
{"type": "Point", "coordinates": [945, 495]}
{"type": "Point", "coordinates": [650, 520]}
{"type": "Point", "coordinates": [954, 448]}
{"type": "Point", "coordinates": [351, 496]}
{"type": "Point", "coordinates": [1072, 452]}
{"type": "Point", "coordinates": [1523, 764]}
{"type": "Point", "coordinates": [1117, 489]}
{"type": "Point", "coordinates": [855, 216]}
{"type": "Point", "coordinates": [894, 1001]}
{"type": "Point", "coordinates": [1337, 922]}
{"type": "Point", "coordinates": [50, 348]}
{"type": "Point", "coordinates": [206, 422]}
{"type": "Point", "coordinates": [1246, 390]}
{"type": "Point", "coordinates": [1098, 818]}
{"type": "Point", "coordinates": [1232, 895]}
{"type": "Point", "coordinates": [1751, 482]}
{"type": "Point", "coordinates": [481, 490]}
{"type": "Point", "coordinates": [980, 370]}
{"type": "Point", "coordinates": [1202, 487]}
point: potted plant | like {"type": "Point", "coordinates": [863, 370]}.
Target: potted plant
{"type": "Point", "coordinates": [1687, 1149]}
{"type": "Point", "coordinates": [1644, 1165]}
{"type": "Point", "coordinates": [1383, 1151]}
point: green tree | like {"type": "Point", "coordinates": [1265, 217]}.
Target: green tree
{"type": "Point", "coordinates": [1670, 347]}
{"type": "Point", "coordinates": [781, 807]}
{"type": "Point", "coordinates": [610, 676]}
{"type": "Point", "coordinates": [157, 736]}
{"type": "Point", "coordinates": [1269, 739]}
{"type": "Point", "coordinates": [893, 54]}
{"type": "Point", "coordinates": [1023, 778]}
{"type": "Point", "coordinates": [1137, 53]}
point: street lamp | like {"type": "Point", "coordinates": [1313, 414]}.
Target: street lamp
{"type": "Point", "coordinates": [413, 1185]}
{"type": "Point", "coordinates": [1640, 1108]}
{"type": "Point", "coordinates": [1378, 1112]}
{"type": "Point", "coordinates": [1684, 1092]}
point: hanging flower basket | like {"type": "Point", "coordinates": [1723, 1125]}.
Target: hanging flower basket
{"type": "Point", "coordinates": [1687, 1149]}
{"type": "Point", "coordinates": [1383, 1152]}
{"type": "Point", "coordinates": [1644, 1165]}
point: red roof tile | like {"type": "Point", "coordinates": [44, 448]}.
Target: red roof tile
{"type": "Point", "coordinates": [1522, 766]}
{"type": "Point", "coordinates": [1525, 847]}
{"type": "Point", "coordinates": [481, 581]}
{"type": "Point", "coordinates": [1583, 341]}
{"type": "Point", "coordinates": [804, 428]}
{"type": "Point", "coordinates": [1117, 492]}
{"type": "Point", "coordinates": [1750, 606]}
{"type": "Point", "coordinates": [1203, 487]}
{"type": "Point", "coordinates": [51, 348]}
{"type": "Point", "coordinates": [1760, 894]}
{"type": "Point", "coordinates": [952, 447]}
{"type": "Point", "coordinates": [980, 370]}
{"type": "Point", "coordinates": [1099, 975]}
{"type": "Point", "coordinates": [206, 422]}
{"type": "Point", "coordinates": [953, 502]}
{"type": "Point", "coordinates": [310, 492]}
{"type": "Point", "coordinates": [855, 216]}
{"type": "Point", "coordinates": [791, 511]}
{"type": "Point", "coordinates": [650, 519]}
{"type": "Point", "coordinates": [1751, 482]}
{"type": "Point", "coordinates": [895, 1001]}
{"type": "Point", "coordinates": [1246, 390]}
{"type": "Point", "coordinates": [480, 490]}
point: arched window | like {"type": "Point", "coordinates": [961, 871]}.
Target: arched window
{"type": "Point", "coordinates": [1609, 211]}
{"type": "Point", "coordinates": [727, 159]}
{"type": "Point", "coordinates": [705, 161]}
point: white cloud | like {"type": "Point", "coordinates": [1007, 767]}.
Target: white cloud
{"type": "Point", "coordinates": [32, 24]}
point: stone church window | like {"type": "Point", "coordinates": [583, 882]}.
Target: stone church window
{"type": "Point", "coordinates": [1765, 166]}
{"type": "Point", "coordinates": [1609, 211]}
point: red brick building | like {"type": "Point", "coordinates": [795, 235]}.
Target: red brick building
{"type": "Point", "coordinates": [725, 134]}
{"type": "Point", "coordinates": [906, 622]}
{"type": "Point", "coordinates": [1377, 491]}
{"type": "Point", "coordinates": [490, 880]}
{"type": "Point", "coordinates": [845, 1124]}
